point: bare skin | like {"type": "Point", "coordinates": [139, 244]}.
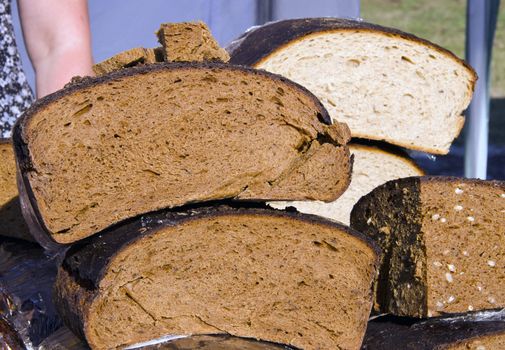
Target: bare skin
{"type": "Point", "coordinates": [58, 41]}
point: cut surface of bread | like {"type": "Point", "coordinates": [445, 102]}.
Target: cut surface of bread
{"type": "Point", "coordinates": [278, 276]}
{"type": "Point", "coordinates": [478, 331]}
{"type": "Point", "coordinates": [163, 135]}
{"type": "Point", "coordinates": [385, 84]}
{"type": "Point", "coordinates": [129, 58]}
{"type": "Point", "coordinates": [12, 223]}
{"type": "Point", "coordinates": [190, 41]}
{"type": "Point", "coordinates": [373, 165]}
{"type": "Point", "coordinates": [443, 244]}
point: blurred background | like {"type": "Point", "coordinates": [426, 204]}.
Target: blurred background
{"type": "Point", "coordinates": [118, 25]}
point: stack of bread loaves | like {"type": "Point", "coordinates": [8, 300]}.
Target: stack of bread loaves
{"type": "Point", "coordinates": [131, 169]}
{"type": "Point", "coordinates": [387, 85]}
{"type": "Point", "coordinates": [442, 238]}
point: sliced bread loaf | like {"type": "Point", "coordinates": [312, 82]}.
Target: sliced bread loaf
{"type": "Point", "coordinates": [385, 84]}
{"type": "Point", "coordinates": [129, 58]}
{"type": "Point", "coordinates": [443, 244]}
{"type": "Point", "coordinates": [374, 164]}
{"type": "Point", "coordinates": [479, 331]}
{"type": "Point", "coordinates": [12, 223]}
{"type": "Point", "coordinates": [190, 41]}
{"type": "Point", "coordinates": [253, 272]}
{"type": "Point", "coordinates": [146, 138]}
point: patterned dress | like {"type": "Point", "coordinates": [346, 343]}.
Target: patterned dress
{"type": "Point", "coordinates": [15, 93]}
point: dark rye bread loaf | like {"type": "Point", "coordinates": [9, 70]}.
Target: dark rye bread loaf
{"type": "Point", "coordinates": [478, 331]}
{"type": "Point", "coordinates": [12, 223]}
{"type": "Point", "coordinates": [129, 58]}
{"type": "Point", "coordinates": [189, 41]}
{"type": "Point", "coordinates": [374, 164]}
{"type": "Point", "coordinates": [254, 272]}
{"type": "Point", "coordinates": [163, 135]}
{"type": "Point", "coordinates": [443, 244]}
{"type": "Point", "coordinates": [384, 83]}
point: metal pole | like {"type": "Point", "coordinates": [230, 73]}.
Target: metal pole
{"type": "Point", "coordinates": [264, 11]}
{"type": "Point", "coordinates": [481, 25]}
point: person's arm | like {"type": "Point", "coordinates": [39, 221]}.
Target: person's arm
{"type": "Point", "coordinates": [58, 41]}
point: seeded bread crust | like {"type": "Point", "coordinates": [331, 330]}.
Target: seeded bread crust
{"type": "Point", "coordinates": [258, 43]}
{"type": "Point", "coordinates": [397, 216]}
{"type": "Point", "coordinates": [32, 213]}
{"type": "Point", "coordinates": [389, 332]}
{"type": "Point", "coordinates": [87, 262]}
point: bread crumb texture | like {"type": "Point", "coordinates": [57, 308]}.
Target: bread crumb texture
{"type": "Point", "coordinates": [386, 85]}
{"type": "Point", "coordinates": [12, 223]}
{"type": "Point", "coordinates": [267, 277]}
{"type": "Point", "coordinates": [166, 135]}
{"type": "Point", "coordinates": [190, 41]}
{"type": "Point", "coordinates": [372, 166]}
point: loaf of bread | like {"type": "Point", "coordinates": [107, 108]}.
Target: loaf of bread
{"type": "Point", "coordinates": [254, 272]}
{"type": "Point", "coordinates": [129, 58]}
{"type": "Point", "coordinates": [146, 138]}
{"type": "Point", "coordinates": [385, 84]}
{"type": "Point", "coordinates": [374, 164]}
{"type": "Point", "coordinates": [189, 41]}
{"type": "Point", "coordinates": [12, 223]}
{"type": "Point", "coordinates": [443, 244]}
{"type": "Point", "coordinates": [479, 331]}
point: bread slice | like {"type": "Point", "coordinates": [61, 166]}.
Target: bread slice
{"type": "Point", "coordinates": [443, 244]}
{"type": "Point", "coordinates": [163, 135]}
{"type": "Point", "coordinates": [374, 164]}
{"type": "Point", "coordinates": [190, 41]}
{"type": "Point", "coordinates": [129, 58]}
{"type": "Point", "coordinates": [278, 276]}
{"type": "Point", "coordinates": [385, 84]}
{"type": "Point", "coordinates": [12, 223]}
{"type": "Point", "coordinates": [479, 331]}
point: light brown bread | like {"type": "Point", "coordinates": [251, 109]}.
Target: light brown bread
{"type": "Point", "coordinates": [12, 223]}
{"type": "Point", "coordinates": [385, 84]}
{"type": "Point", "coordinates": [190, 41]}
{"type": "Point", "coordinates": [129, 58]}
{"type": "Point", "coordinates": [157, 136]}
{"type": "Point", "coordinates": [443, 244]}
{"type": "Point", "coordinates": [259, 273]}
{"type": "Point", "coordinates": [374, 164]}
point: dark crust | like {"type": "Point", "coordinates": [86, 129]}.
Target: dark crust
{"type": "Point", "coordinates": [21, 148]}
{"type": "Point", "coordinates": [256, 45]}
{"type": "Point", "coordinates": [386, 147]}
{"type": "Point", "coordinates": [87, 260]}
{"type": "Point", "coordinates": [391, 332]}
{"type": "Point", "coordinates": [5, 140]}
